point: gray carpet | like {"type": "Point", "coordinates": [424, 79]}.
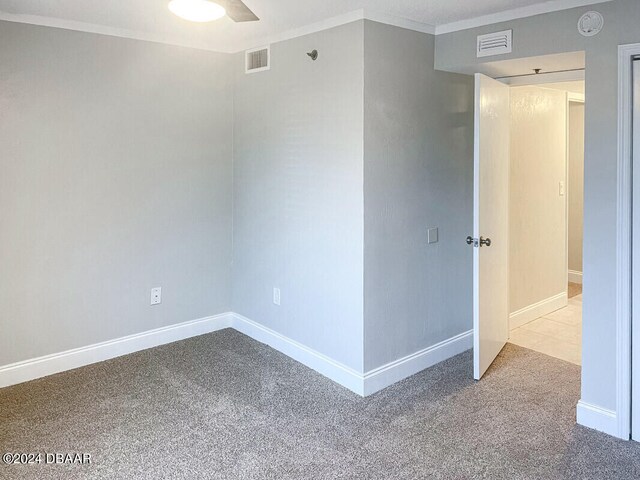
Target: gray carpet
{"type": "Point", "coordinates": [224, 406]}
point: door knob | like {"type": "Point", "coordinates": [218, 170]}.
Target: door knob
{"type": "Point", "coordinates": [485, 241]}
{"type": "Point", "coordinates": [472, 241]}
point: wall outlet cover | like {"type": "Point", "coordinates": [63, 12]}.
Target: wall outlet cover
{"type": "Point", "coordinates": [156, 296]}
{"type": "Point", "coordinates": [276, 296]}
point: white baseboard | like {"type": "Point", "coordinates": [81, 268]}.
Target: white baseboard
{"type": "Point", "coordinates": [362, 384]}
{"type": "Point", "coordinates": [322, 364]}
{"type": "Point", "coordinates": [537, 310]}
{"type": "Point", "coordinates": [575, 276]}
{"type": "Point", "coordinates": [382, 377]}
{"type": "Point", "coordinates": [598, 418]}
{"type": "Point", "coordinates": [79, 357]}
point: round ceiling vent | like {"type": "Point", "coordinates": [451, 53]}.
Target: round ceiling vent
{"type": "Point", "coordinates": [590, 24]}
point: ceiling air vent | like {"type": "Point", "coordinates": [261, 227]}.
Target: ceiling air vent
{"type": "Point", "coordinates": [258, 60]}
{"type": "Point", "coordinates": [497, 43]}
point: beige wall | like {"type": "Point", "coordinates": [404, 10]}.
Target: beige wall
{"type": "Point", "coordinates": [576, 184]}
{"type": "Point", "coordinates": [538, 222]}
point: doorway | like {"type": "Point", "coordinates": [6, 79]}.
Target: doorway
{"type": "Point", "coordinates": [546, 218]}
{"type": "Point", "coordinates": [528, 113]}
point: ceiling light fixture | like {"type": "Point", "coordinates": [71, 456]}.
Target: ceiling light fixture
{"type": "Point", "coordinates": [197, 10]}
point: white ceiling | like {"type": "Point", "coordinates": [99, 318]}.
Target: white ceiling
{"type": "Point", "coordinates": [151, 20]}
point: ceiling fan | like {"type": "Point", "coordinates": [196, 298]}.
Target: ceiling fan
{"type": "Point", "coordinates": [208, 11]}
{"type": "Point", "coordinates": [238, 11]}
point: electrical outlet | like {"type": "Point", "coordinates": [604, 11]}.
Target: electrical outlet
{"type": "Point", "coordinates": [276, 296]}
{"type": "Point", "coordinates": [156, 296]}
{"type": "Point", "coordinates": [561, 189]}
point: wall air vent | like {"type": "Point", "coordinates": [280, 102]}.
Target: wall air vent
{"type": "Point", "coordinates": [498, 43]}
{"type": "Point", "coordinates": [258, 60]}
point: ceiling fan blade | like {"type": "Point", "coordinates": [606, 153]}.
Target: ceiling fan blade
{"type": "Point", "coordinates": [238, 11]}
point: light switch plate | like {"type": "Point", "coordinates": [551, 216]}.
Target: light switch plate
{"type": "Point", "coordinates": [432, 235]}
{"type": "Point", "coordinates": [561, 189]}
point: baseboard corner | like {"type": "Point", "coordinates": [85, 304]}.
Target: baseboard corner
{"type": "Point", "coordinates": [386, 375]}
{"type": "Point", "coordinates": [326, 366]}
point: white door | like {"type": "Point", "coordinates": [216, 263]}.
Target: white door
{"type": "Point", "coordinates": [635, 258]}
{"type": "Point", "coordinates": [490, 222]}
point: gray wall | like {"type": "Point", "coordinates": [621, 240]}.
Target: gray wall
{"type": "Point", "coordinates": [576, 184]}
{"type": "Point", "coordinates": [418, 173]}
{"type": "Point", "coordinates": [557, 33]}
{"type": "Point", "coordinates": [298, 201]}
{"type": "Point", "coordinates": [115, 178]}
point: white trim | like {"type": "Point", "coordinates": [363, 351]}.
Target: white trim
{"type": "Point", "coordinates": [79, 357]}
{"type": "Point", "coordinates": [598, 418]}
{"type": "Point", "coordinates": [623, 260]}
{"type": "Point", "coordinates": [379, 378]}
{"type": "Point", "coordinates": [537, 310]}
{"type": "Point", "coordinates": [327, 24]}
{"type": "Point", "coordinates": [515, 14]}
{"type": "Point", "coordinates": [106, 30]}
{"type": "Point", "coordinates": [574, 97]}
{"type": "Point", "coordinates": [317, 361]}
{"type": "Point", "coordinates": [339, 20]}
{"type": "Point", "coordinates": [362, 14]}
{"type": "Point", "coordinates": [405, 23]}
{"type": "Point", "coordinates": [362, 384]}
{"type": "Point", "coordinates": [575, 276]}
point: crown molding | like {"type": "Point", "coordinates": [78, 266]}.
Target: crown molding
{"type": "Point", "coordinates": [104, 30]}
{"type": "Point", "coordinates": [515, 14]}
{"type": "Point", "coordinates": [362, 14]}
{"type": "Point", "coordinates": [327, 24]}
{"type": "Point", "coordinates": [399, 22]}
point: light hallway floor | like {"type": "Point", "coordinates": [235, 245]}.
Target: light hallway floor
{"type": "Point", "coordinates": [558, 334]}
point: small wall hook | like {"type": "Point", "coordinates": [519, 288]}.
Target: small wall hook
{"type": "Point", "coordinates": [313, 55]}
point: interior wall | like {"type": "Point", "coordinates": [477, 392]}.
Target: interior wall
{"type": "Point", "coordinates": [418, 173]}
{"type": "Point", "coordinates": [556, 33]}
{"type": "Point", "coordinates": [537, 210]}
{"type": "Point", "coordinates": [576, 185]}
{"type": "Point", "coordinates": [298, 192]}
{"type": "Point", "coordinates": [116, 178]}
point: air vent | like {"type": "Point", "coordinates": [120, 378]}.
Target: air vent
{"type": "Point", "coordinates": [498, 43]}
{"type": "Point", "coordinates": [258, 60]}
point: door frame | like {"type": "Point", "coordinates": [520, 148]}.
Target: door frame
{"type": "Point", "coordinates": [572, 98]}
{"type": "Point", "coordinates": [624, 318]}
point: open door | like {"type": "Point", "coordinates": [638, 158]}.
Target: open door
{"type": "Point", "coordinates": [490, 222]}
